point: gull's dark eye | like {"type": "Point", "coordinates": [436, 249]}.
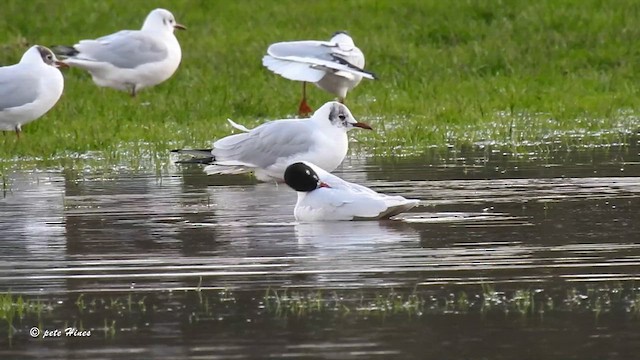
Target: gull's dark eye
{"type": "Point", "coordinates": [49, 57]}
{"type": "Point", "coordinates": [341, 117]}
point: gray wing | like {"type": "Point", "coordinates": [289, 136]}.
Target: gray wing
{"type": "Point", "coordinates": [263, 146]}
{"type": "Point", "coordinates": [17, 88]}
{"type": "Point", "coordinates": [126, 49]}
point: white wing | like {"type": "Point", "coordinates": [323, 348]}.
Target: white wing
{"type": "Point", "coordinates": [311, 60]}
{"type": "Point", "coordinates": [338, 183]}
{"type": "Point", "coordinates": [238, 126]}
{"type": "Point", "coordinates": [352, 201]}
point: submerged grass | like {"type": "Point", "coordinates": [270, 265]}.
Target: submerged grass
{"type": "Point", "coordinates": [451, 73]}
{"type": "Point", "coordinates": [112, 314]}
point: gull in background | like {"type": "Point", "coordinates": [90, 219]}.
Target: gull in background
{"type": "Point", "coordinates": [336, 66]}
{"type": "Point", "coordinates": [130, 60]}
{"type": "Point", "coordinates": [29, 88]}
{"type": "Point", "coordinates": [325, 197]}
{"type": "Point", "coordinates": [269, 148]}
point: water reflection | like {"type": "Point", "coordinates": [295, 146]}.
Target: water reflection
{"type": "Point", "coordinates": [486, 219]}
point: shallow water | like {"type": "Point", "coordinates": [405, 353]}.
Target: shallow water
{"type": "Point", "coordinates": [203, 260]}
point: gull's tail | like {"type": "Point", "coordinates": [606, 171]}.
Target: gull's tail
{"type": "Point", "coordinates": [200, 156]}
{"type": "Point", "coordinates": [205, 157]}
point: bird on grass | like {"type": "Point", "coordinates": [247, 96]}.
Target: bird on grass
{"type": "Point", "coordinates": [336, 66]}
{"type": "Point", "coordinates": [29, 88]}
{"type": "Point", "coordinates": [269, 148]}
{"type": "Point", "coordinates": [326, 197]}
{"type": "Point", "coordinates": [130, 60]}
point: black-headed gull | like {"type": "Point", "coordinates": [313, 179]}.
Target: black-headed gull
{"type": "Point", "coordinates": [322, 196]}
{"type": "Point", "coordinates": [336, 66]}
{"type": "Point", "coordinates": [270, 147]}
{"type": "Point", "coordinates": [29, 88]}
{"type": "Point", "coordinates": [130, 60]}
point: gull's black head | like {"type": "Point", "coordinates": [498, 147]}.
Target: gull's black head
{"type": "Point", "coordinates": [301, 177]}
{"type": "Point", "coordinates": [340, 32]}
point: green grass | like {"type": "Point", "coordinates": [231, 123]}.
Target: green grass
{"type": "Point", "coordinates": [451, 73]}
{"type": "Point", "coordinates": [108, 313]}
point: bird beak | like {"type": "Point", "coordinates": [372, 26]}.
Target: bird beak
{"type": "Point", "coordinates": [179, 27]}
{"type": "Point", "coordinates": [60, 65]}
{"type": "Point", "coordinates": [324, 184]}
{"type": "Point", "coordinates": [362, 125]}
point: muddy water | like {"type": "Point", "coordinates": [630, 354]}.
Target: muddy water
{"type": "Point", "coordinates": [184, 266]}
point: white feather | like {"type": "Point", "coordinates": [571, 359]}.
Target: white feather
{"type": "Point", "coordinates": [344, 200]}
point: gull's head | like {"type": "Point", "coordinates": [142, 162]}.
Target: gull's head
{"type": "Point", "coordinates": [338, 115]}
{"type": "Point", "coordinates": [41, 54]}
{"type": "Point", "coordinates": [302, 178]}
{"type": "Point", "coordinates": [161, 20]}
{"type": "Point", "coordinates": [342, 39]}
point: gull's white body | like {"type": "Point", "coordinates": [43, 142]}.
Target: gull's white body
{"type": "Point", "coordinates": [344, 200]}
{"type": "Point", "coordinates": [28, 90]}
{"type": "Point", "coordinates": [269, 148]}
{"type": "Point", "coordinates": [315, 62]}
{"type": "Point", "coordinates": [131, 60]}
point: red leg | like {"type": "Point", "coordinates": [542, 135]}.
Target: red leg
{"type": "Point", "coordinates": [304, 109]}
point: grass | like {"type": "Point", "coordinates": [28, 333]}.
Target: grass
{"type": "Point", "coordinates": [451, 73]}
{"type": "Point", "coordinates": [110, 314]}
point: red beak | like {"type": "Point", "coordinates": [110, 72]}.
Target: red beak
{"type": "Point", "coordinates": [362, 125]}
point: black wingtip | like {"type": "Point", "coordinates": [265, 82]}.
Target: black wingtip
{"type": "Point", "coordinates": [346, 63]}
{"type": "Point", "coordinates": [191, 151]}
{"type": "Point", "coordinates": [200, 156]}
{"type": "Point", "coordinates": [340, 32]}
{"type": "Point", "coordinates": [202, 161]}
{"type": "Point", "coordinates": [64, 50]}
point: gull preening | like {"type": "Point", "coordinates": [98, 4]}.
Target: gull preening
{"type": "Point", "coordinates": [130, 60]}
{"type": "Point", "coordinates": [336, 66]}
{"type": "Point", "coordinates": [29, 88]}
{"type": "Point", "coordinates": [269, 148]}
{"type": "Point", "coordinates": [325, 197]}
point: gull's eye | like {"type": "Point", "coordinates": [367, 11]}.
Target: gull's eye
{"type": "Point", "coordinates": [49, 57]}
{"type": "Point", "coordinates": [341, 117]}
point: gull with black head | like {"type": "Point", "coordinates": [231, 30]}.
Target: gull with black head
{"type": "Point", "coordinates": [326, 197]}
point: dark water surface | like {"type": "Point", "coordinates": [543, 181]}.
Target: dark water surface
{"type": "Point", "coordinates": [533, 256]}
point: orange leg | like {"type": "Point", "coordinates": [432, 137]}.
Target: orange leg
{"type": "Point", "coordinates": [304, 109]}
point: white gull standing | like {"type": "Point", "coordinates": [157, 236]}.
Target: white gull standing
{"type": "Point", "coordinates": [336, 66]}
{"type": "Point", "coordinates": [130, 60]}
{"type": "Point", "coordinates": [29, 88]}
{"type": "Point", "coordinates": [325, 197]}
{"type": "Point", "coordinates": [269, 148]}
